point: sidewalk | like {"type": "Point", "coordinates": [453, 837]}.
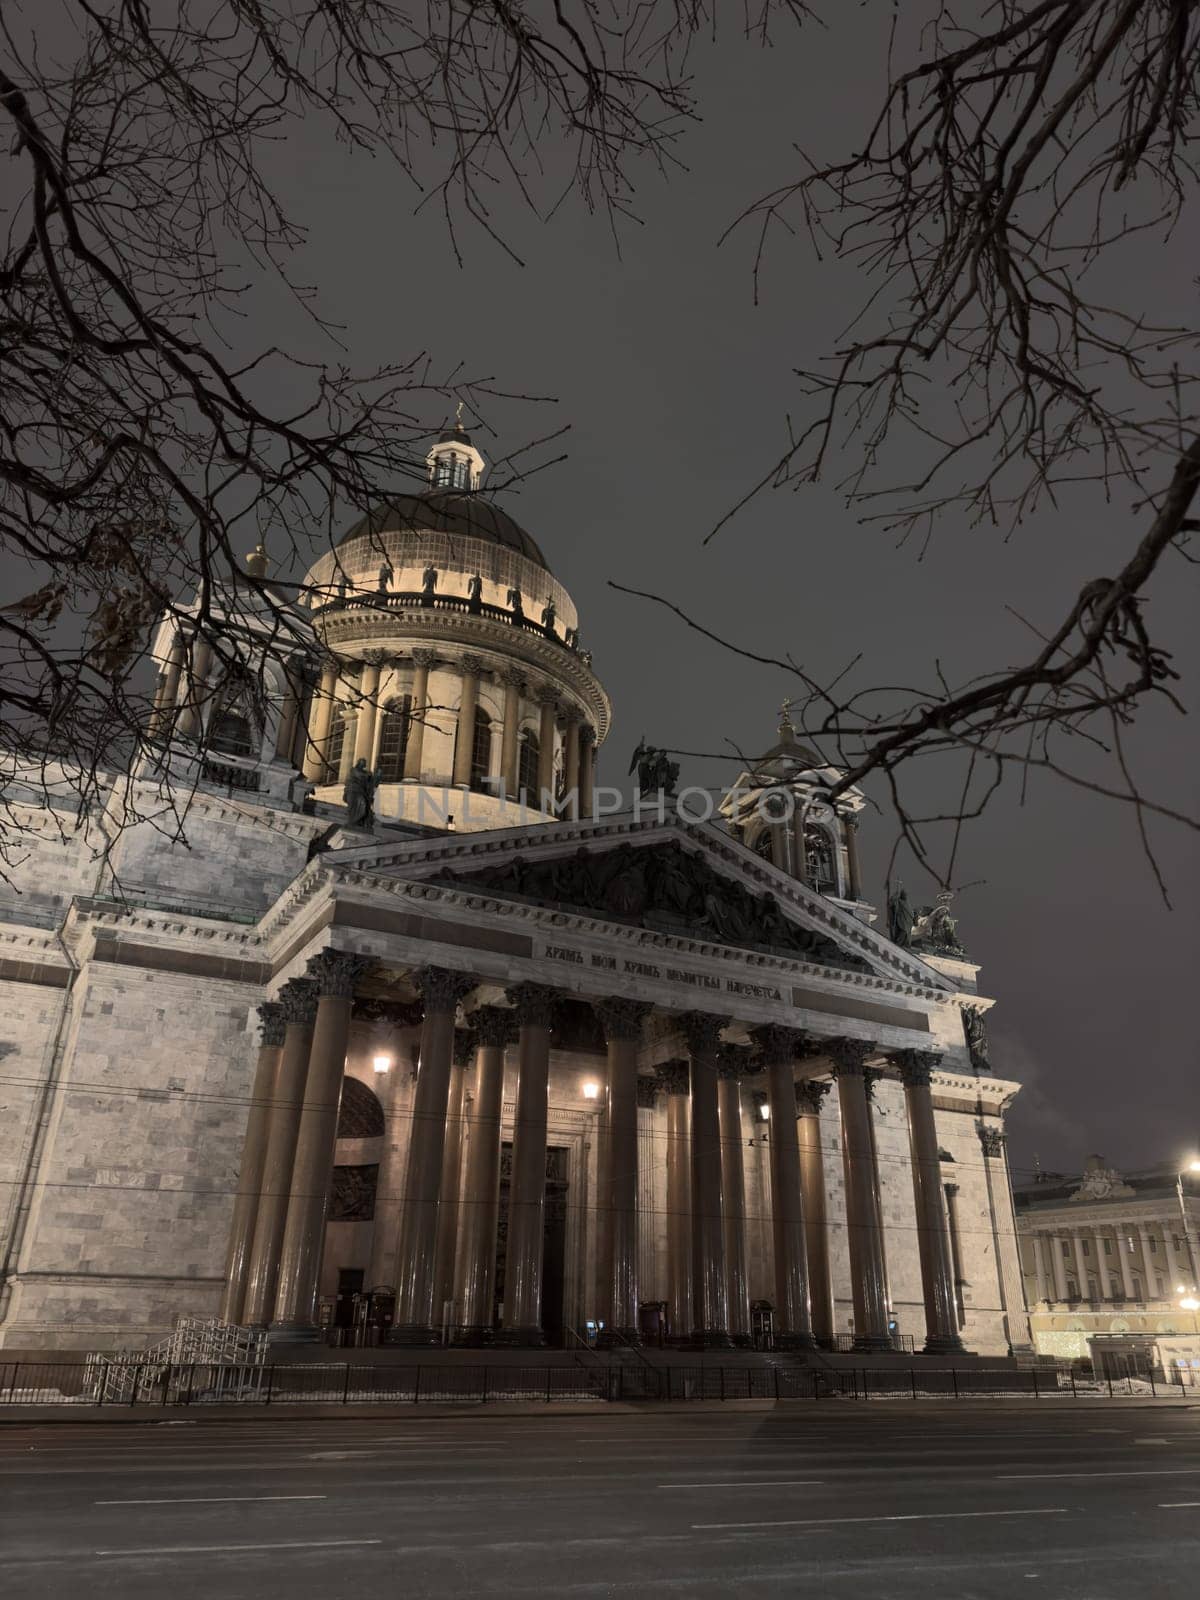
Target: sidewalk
{"type": "Point", "coordinates": [198, 1415]}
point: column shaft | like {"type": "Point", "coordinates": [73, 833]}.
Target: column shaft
{"type": "Point", "coordinates": [509, 749]}
{"type": "Point", "coordinates": [1121, 1246]}
{"type": "Point", "coordinates": [464, 743]}
{"type": "Point", "coordinates": [571, 764]}
{"type": "Point", "coordinates": [476, 1278]}
{"type": "Point", "coordinates": [1059, 1263]}
{"type": "Point", "coordinates": [299, 1000]}
{"type": "Point", "coordinates": [733, 1203]}
{"type": "Point", "coordinates": [397, 1131]}
{"type": "Point", "coordinates": [679, 1198]}
{"type": "Point", "coordinates": [812, 1193]}
{"type": "Point", "coordinates": [316, 1141]}
{"type": "Point", "coordinates": [254, 1152]}
{"type": "Point", "coordinates": [793, 1311]}
{"type": "Point", "coordinates": [285, 736]}
{"type": "Point", "coordinates": [527, 1190]}
{"type": "Point", "coordinates": [168, 688]}
{"type": "Point", "coordinates": [1101, 1267]}
{"type": "Point", "coordinates": [622, 1186]}
{"type": "Point", "coordinates": [853, 864]}
{"type": "Point", "coordinates": [368, 711]}
{"type": "Point", "coordinates": [933, 1235]}
{"type": "Point", "coordinates": [195, 688]}
{"type": "Point", "coordinates": [710, 1301]}
{"type": "Point", "coordinates": [546, 751]}
{"type": "Point", "coordinates": [451, 1187]}
{"type": "Point", "coordinates": [422, 661]}
{"type": "Point", "coordinates": [1039, 1266]}
{"type": "Point", "coordinates": [416, 1253]}
{"type": "Point", "coordinates": [621, 1021]}
{"type": "Point", "coordinates": [862, 1223]}
{"type": "Point", "coordinates": [587, 770]}
{"type": "Point", "coordinates": [316, 754]}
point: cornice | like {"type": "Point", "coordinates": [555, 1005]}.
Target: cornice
{"type": "Point", "coordinates": [558, 923]}
{"type": "Point", "coordinates": [896, 967]}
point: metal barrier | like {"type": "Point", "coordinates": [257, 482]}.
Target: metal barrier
{"type": "Point", "coordinates": [199, 1383]}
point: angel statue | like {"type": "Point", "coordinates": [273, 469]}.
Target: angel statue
{"type": "Point", "coordinates": [900, 917]}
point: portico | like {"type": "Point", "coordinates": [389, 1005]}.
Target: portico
{"type": "Point", "coordinates": [665, 1022]}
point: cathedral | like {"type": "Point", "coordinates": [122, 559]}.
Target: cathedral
{"type": "Point", "coordinates": [403, 1037]}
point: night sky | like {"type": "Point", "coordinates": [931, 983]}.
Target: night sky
{"type": "Point", "coordinates": [676, 389]}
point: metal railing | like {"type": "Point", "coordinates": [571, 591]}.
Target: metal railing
{"type": "Point", "coordinates": [147, 1381]}
{"type": "Point", "coordinates": [902, 1343]}
{"type": "Point", "coordinates": [204, 1342]}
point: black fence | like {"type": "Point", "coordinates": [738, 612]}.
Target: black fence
{"type": "Point", "coordinates": [197, 1384]}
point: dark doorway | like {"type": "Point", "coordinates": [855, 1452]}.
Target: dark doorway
{"type": "Point", "coordinates": [554, 1239]}
{"type": "Point", "coordinates": [349, 1287]}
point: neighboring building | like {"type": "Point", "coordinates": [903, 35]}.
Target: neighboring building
{"type": "Point", "coordinates": [1106, 1254]}
{"type": "Point", "coordinates": [518, 1067]}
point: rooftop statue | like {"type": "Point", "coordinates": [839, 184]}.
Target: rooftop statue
{"type": "Point", "coordinates": [936, 930]}
{"type": "Point", "coordinates": [657, 773]}
{"type": "Point", "coordinates": [900, 917]}
{"type": "Point", "coordinates": [359, 795]}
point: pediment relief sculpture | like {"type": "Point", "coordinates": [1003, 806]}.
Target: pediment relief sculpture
{"type": "Point", "coordinates": [664, 888]}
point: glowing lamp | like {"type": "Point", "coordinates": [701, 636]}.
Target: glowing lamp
{"type": "Point", "coordinates": [591, 1091]}
{"type": "Point", "coordinates": [381, 1063]}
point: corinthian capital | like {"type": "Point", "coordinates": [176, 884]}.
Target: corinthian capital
{"type": "Point", "coordinates": [776, 1043]}
{"type": "Point", "coordinates": [494, 1026]}
{"type": "Point", "coordinates": [702, 1031]}
{"type": "Point", "coordinates": [440, 988]}
{"type": "Point", "coordinates": [809, 1094]}
{"type": "Point", "coordinates": [271, 1023]}
{"type": "Point", "coordinates": [916, 1066]}
{"type": "Point", "coordinates": [849, 1056]}
{"type": "Point", "coordinates": [533, 1004]}
{"type": "Point", "coordinates": [674, 1077]}
{"type": "Point", "coordinates": [298, 997]}
{"type": "Point", "coordinates": [336, 972]}
{"type": "Point", "coordinates": [622, 1019]}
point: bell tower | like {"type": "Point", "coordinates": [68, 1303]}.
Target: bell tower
{"type": "Point", "coordinates": [779, 808]}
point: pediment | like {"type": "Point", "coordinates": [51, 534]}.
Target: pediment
{"type": "Point", "coordinates": [661, 887]}
{"type": "Point", "coordinates": [670, 876]}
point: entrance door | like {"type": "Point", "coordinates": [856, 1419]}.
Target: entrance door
{"type": "Point", "coordinates": [349, 1288]}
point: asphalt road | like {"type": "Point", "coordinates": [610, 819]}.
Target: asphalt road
{"type": "Point", "coordinates": [1093, 1503]}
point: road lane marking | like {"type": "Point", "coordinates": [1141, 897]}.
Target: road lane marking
{"type": "Point", "coordinates": [209, 1499]}
{"type": "Point", "coordinates": [914, 1516]}
{"type": "Point", "coordinates": [1139, 1472]}
{"type": "Point", "coordinates": [1176, 1505]}
{"type": "Point", "coordinates": [751, 1483]}
{"type": "Point", "coordinates": [218, 1549]}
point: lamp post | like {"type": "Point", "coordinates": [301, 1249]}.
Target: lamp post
{"type": "Point", "coordinates": [1189, 1301]}
{"type": "Point", "coordinates": [1193, 1167]}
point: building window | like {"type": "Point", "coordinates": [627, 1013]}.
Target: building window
{"type": "Point", "coordinates": [393, 739]}
{"type": "Point", "coordinates": [1178, 1243]}
{"type": "Point", "coordinates": [1065, 1247]}
{"type": "Point", "coordinates": [1087, 1248]}
{"type": "Point", "coordinates": [1153, 1245]}
{"type": "Point", "coordinates": [820, 867]}
{"type": "Point", "coordinates": [1162, 1288]}
{"type": "Point", "coordinates": [337, 742]}
{"type": "Point", "coordinates": [452, 471]}
{"type": "Point", "coordinates": [1072, 1290]}
{"type": "Point", "coordinates": [481, 748]}
{"type": "Point", "coordinates": [1108, 1247]}
{"type": "Point", "coordinates": [528, 760]}
{"type": "Point", "coordinates": [230, 733]}
{"type": "Point", "coordinates": [1114, 1289]}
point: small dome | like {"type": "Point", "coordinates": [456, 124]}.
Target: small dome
{"type": "Point", "coordinates": [461, 514]}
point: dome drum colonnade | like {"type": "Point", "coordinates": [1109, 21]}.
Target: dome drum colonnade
{"type": "Point", "coordinates": [449, 1211]}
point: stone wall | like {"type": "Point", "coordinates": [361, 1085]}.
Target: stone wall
{"type": "Point", "coordinates": [130, 1213]}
